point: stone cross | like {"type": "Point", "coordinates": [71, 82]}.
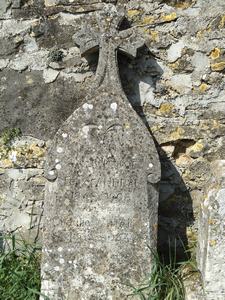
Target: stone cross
{"type": "Point", "coordinates": [101, 200]}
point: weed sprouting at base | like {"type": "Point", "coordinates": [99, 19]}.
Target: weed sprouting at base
{"type": "Point", "coordinates": [20, 277]}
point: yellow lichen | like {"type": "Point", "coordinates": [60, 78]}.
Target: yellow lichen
{"type": "Point", "coordinates": [127, 125]}
{"type": "Point", "coordinates": [36, 151]}
{"type": "Point", "coordinates": [203, 87]}
{"type": "Point", "coordinates": [156, 128]}
{"type": "Point", "coordinates": [165, 109]}
{"type": "Point", "coordinates": [202, 32]}
{"type": "Point", "coordinates": [7, 163]}
{"type": "Point", "coordinates": [177, 133]}
{"type": "Point", "coordinates": [154, 35]}
{"type": "Point", "coordinates": [217, 67]}
{"type": "Point", "coordinates": [133, 13]}
{"type": "Point", "coordinates": [212, 243]}
{"type": "Point", "coordinates": [222, 22]}
{"type": "Point", "coordinates": [215, 53]}
{"type": "Point", "coordinates": [183, 5]}
{"type": "Point", "coordinates": [148, 20]}
{"type": "Point", "coordinates": [29, 80]}
{"type": "Point", "coordinates": [170, 17]}
{"type": "Point", "coordinates": [174, 65]}
{"type": "Point", "coordinates": [216, 124]}
{"type": "Point", "coordinates": [212, 222]}
{"type": "Point", "coordinates": [197, 147]}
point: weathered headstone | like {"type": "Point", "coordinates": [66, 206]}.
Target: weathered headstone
{"type": "Point", "coordinates": [211, 246]}
{"type": "Point", "coordinates": [101, 197]}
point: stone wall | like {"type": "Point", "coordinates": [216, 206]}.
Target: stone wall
{"type": "Point", "coordinates": [176, 85]}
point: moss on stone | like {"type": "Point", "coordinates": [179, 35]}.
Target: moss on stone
{"type": "Point", "coordinates": [9, 134]}
{"type": "Point", "coordinates": [56, 55]}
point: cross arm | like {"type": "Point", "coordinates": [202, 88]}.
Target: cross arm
{"type": "Point", "coordinates": [87, 39]}
{"type": "Point", "coordinates": [129, 41]}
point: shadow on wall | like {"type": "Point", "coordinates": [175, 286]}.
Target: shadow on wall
{"type": "Point", "coordinates": [139, 79]}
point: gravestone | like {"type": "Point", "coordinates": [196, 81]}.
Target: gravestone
{"type": "Point", "coordinates": [100, 214]}
{"type": "Point", "coordinates": [211, 238]}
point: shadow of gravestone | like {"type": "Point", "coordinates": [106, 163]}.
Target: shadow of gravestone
{"type": "Point", "coordinates": [139, 79]}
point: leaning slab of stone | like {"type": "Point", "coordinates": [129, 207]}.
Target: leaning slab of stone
{"type": "Point", "coordinates": [211, 252]}
{"type": "Point", "coordinates": [100, 214]}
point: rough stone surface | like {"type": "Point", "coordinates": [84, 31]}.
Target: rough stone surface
{"type": "Point", "coordinates": [22, 187]}
{"type": "Point", "coordinates": [189, 119]}
{"type": "Point", "coordinates": [211, 235]}
{"type": "Point", "coordinates": [101, 200]}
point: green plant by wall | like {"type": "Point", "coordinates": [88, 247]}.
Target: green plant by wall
{"type": "Point", "coordinates": [56, 55]}
{"type": "Point", "coordinates": [9, 134]}
{"type": "Point", "coordinates": [20, 277]}
{"type": "Point", "coordinates": [164, 283]}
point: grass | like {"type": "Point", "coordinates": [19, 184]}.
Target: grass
{"type": "Point", "coordinates": [166, 281]}
{"type": "Point", "coordinates": [9, 134]}
{"type": "Point", "coordinates": [20, 277]}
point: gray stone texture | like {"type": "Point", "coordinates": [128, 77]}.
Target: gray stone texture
{"type": "Point", "coordinates": [101, 201]}
{"type": "Point", "coordinates": [22, 187]}
{"type": "Point", "coordinates": [211, 235]}
{"type": "Point", "coordinates": [181, 100]}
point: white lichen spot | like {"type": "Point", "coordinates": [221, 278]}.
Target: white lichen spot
{"type": "Point", "coordinates": [59, 149]}
{"type": "Point", "coordinates": [100, 127]}
{"type": "Point", "coordinates": [64, 135]}
{"type": "Point", "coordinates": [57, 160]}
{"type": "Point", "coordinates": [101, 142]}
{"type": "Point", "coordinates": [56, 268]}
{"type": "Point", "coordinates": [87, 106]}
{"type": "Point", "coordinates": [75, 264]}
{"type": "Point", "coordinates": [58, 167]}
{"type": "Point", "coordinates": [85, 130]}
{"type": "Point", "coordinates": [61, 261]}
{"type": "Point", "coordinates": [70, 262]}
{"type": "Point", "coordinates": [51, 173]}
{"type": "Point", "coordinates": [60, 249]}
{"type": "Point", "coordinates": [150, 165]}
{"type": "Point", "coordinates": [113, 106]}
{"type": "Point", "coordinates": [12, 156]}
{"type": "Point", "coordinates": [91, 246]}
{"type": "Point", "coordinates": [67, 203]}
